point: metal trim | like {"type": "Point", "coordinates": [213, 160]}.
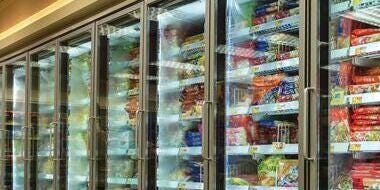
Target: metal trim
{"type": "Point", "coordinates": [27, 123]}
{"type": "Point", "coordinates": [2, 143]}
{"type": "Point", "coordinates": [56, 100]}
{"type": "Point", "coordinates": [90, 128]}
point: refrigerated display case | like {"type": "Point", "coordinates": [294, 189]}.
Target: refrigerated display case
{"type": "Point", "coordinates": [13, 126]}
{"type": "Point", "coordinates": [118, 99]}
{"type": "Point", "coordinates": [257, 93]}
{"type": "Point", "coordinates": [41, 115]}
{"type": "Point", "coordinates": [176, 93]}
{"type": "Point", "coordinates": [75, 70]}
{"type": "Point", "coordinates": [352, 74]}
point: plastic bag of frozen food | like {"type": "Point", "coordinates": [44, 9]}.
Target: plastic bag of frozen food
{"type": "Point", "coordinates": [267, 170]}
{"type": "Point", "coordinates": [365, 39]}
{"type": "Point", "coordinates": [236, 136]}
{"type": "Point", "coordinates": [365, 136]}
{"type": "Point", "coordinates": [339, 125]}
{"type": "Point", "coordinates": [287, 175]}
{"type": "Point", "coordinates": [367, 110]}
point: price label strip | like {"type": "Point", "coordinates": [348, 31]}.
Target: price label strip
{"type": "Point", "coordinates": [357, 100]}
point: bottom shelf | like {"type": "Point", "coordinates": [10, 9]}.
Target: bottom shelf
{"type": "Point", "coordinates": [179, 185]}
{"type": "Point", "coordinates": [245, 187]}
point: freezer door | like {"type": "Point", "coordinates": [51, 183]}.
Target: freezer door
{"type": "Point", "coordinates": [175, 94]}
{"type": "Point", "coordinates": [350, 79]}
{"type": "Point", "coordinates": [41, 115]}
{"type": "Point", "coordinates": [75, 63]}
{"type": "Point", "coordinates": [14, 130]}
{"type": "Point", "coordinates": [257, 84]}
{"type": "Point", "coordinates": [118, 100]}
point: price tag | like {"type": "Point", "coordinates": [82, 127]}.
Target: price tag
{"type": "Point", "coordinates": [356, 2]}
{"type": "Point", "coordinates": [360, 50]}
{"type": "Point", "coordinates": [332, 148]}
{"type": "Point", "coordinates": [280, 107]}
{"type": "Point", "coordinates": [255, 110]}
{"type": "Point", "coordinates": [182, 151]}
{"type": "Point", "coordinates": [357, 100]}
{"type": "Point", "coordinates": [255, 28]}
{"type": "Point", "coordinates": [354, 147]}
{"type": "Point", "coordinates": [129, 181]}
{"type": "Point", "coordinates": [278, 23]}
{"type": "Point", "coordinates": [278, 146]}
{"type": "Point", "coordinates": [181, 186]}
{"type": "Point", "coordinates": [253, 149]}
{"type": "Point", "coordinates": [255, 69]}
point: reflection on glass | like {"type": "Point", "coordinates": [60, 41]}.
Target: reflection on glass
{"type": "Point", "coordinates": [14, 122]}
{"type": "Point", "coordinates": [75, 109]}
{"type": "Point", "coordinates": [257, 77]}
{"type": "Point", "coordinates": [353, 84]}
{"type": "Point", "coordinates": [119, 64]}
{"type": "Point", "coordinates": [41, 115]}
{"type": "Point", "coordinates": [176, 73]}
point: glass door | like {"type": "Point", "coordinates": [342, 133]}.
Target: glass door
{"type": "Point", "coordinates": [74, 110]}
{"type": "Point", "coordinates": [352, 79]}
{"type": "Point", "coordinates": [14, 134]}
{"type": "Point", "coordinates": [257, 92]}
{"type": "Point", "coordinates": [118, 100]}
{"type": "Point", "coordinates": [41, 117]}
{"type": "Point", "coordinates": [176, 91]}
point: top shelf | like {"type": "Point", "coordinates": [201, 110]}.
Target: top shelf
{"type": "Point", "coordinates": [342, 7]}
{"type": "Point", "coordinates": [285, 24]}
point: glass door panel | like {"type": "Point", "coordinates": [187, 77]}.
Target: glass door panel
{"type": "Point", "coordinates": [354, 101]}
{"type": "Point", "coordinates": [176, 77]}
{"type": "Point", "coordinates": [257, 77]}
{"type": "Point", "coordinates": [41, 118]}
{"type": "Point", "coordinates": [118, 101]}
{"type": "Point", "coordinates": [14, 124]}
{"type": "Point", "coordinates": [75, 93]}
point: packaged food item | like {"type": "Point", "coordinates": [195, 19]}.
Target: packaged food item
{"type": "Point", "coordinates": [372, 117]}
{"type": "Point", "coordinates": [287, 55]}
{"type": "Point", "coordinates": [287, 175]}
{"type": "Point", "coordinates": [267, 170]}
{"type": "Point", "coordinates": [364, 88]}
{"type": "Point", "coordinates": [367, 110]}
{"type": "Point", "coordinates": [344, 32]}
{"type": "Point", "coordinates": [364, 32]}
{"type": "Point", "coordinates": [237, 181]}
{"type": "Point", "coordinates": [339, 125]}
{"type": "Point", "coordinates": [343, 181]}
{"type": "Point", "coordinates": [366, 122]}
{"type": "Point", "coordinates": [288, 89]}
{"type": "Point", "coordinates": [366, 79]}
{"type": "Point", "coordinates": [236, 136]}
{"type": "Point", "coordinates": [365, 39]}
{"type": "Point", "coordinates": [345, 72]}
{"type": "Point", "coordinates": [365, 136]}
{"type": "Point", "coordinates": [193, 138]}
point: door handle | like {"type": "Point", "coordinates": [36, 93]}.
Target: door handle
{"type": "Point", "coordinates": [305, 151]}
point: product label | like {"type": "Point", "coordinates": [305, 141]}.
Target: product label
{"type": "Point", "coordinates": [278, 23]}
{"type": "Point", "coordinates": [278, 146]}
{"type": "Point", "coordinates": [253, 149]}
{"type": "Point", "coordinates": [181, 186]}
{"type": "Point", "coordinates": [255, 110]}
{"type": "Point", "coordinates": [357, 100]}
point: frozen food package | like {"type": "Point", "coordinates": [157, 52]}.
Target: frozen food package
{"type": "Point", "coordinates": [365, 39]}
{"type": "Point", "coordinates": [364, 88]}
{"type": "Point", "coordinates": [365, 31]}
{"type": "Point", "coordinates": [365, 136]}
{"type": "Point", "coordinates": [345, 72]}
{"type": "Point", "coordinates": [267, 170]}
{"type": "Point", "coordinates": [339, 125]}
{"type": "Point", "coordinates": [236, 136]}
{"type": "Point", "coordinates": [367, 110]}
{"type": "Point", "coordinates": [287, 175]}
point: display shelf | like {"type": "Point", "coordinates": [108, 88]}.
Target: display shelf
{"type": "Point", "coordinates": [342, 7]}
{"type": "Point", "coordinates": [46, 176]}
{"type": "Point", "coordinates": [191, 151]}
{"type": "Point", "coordinates": [122, 181]}
{"type": "Point", "coordinates": [164, 86]}
{"type": "Point", "coordinates": [284, 24]}
{"type": "Point", "coordinates": [348, 147]}
{"type": "Point", "coordinates": [121, 152]}
{"type": "Point", "coordinates": [359, 50]}
{"type": "Point", "coordinates": [179, 185]}
{"type": "Point", "coordinates": [246, 74]}
{"type": "Point", "coordinates": [356, 99]}
{"type": "Point", "coordinates": [252, 187]}
{"type": "Point", "coordinates": [275, 148]}
{"type": "Point", "coordinates": [179, 65]}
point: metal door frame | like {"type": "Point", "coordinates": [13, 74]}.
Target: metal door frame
{"type": "Point", "coordinates": [90, 28]}
{"type": "Point", "coordinates": [2, 118]}
{"type": "Point", "coordinates": [206, 155]}
{"type": "Point", "coordinates": [112, 17]}
{"type": "Point", "coordinates": [53, 45]}
{"type": "Point", "coordinates": [5, 64]}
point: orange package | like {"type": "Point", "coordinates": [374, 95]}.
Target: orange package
{"type": "Point", "coordinates": [264, 84]}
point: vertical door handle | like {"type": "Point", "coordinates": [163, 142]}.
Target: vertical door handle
{"type": "Point", "coordinates": [205, 156]}
{"type": "Point", "coordinates": [305, 121]}
{"type": "Point", "coordinates": [52, 129]}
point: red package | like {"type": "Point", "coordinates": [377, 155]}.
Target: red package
{"type": "Point", "coordinates": [282, 14]}
{"type": "Point", "coordinates": [258, 60]}
{"type": "Point", "coordinates": [365, 79]}
{"type": "Point", "coordinates": [366, 122]}
{"type": "Point", "coordinates": [365, 39]}
{"type": "Point", "coordinates": [364, 128]}
{"type": "Point", "coordinates": [345, 71]}
{"type": "Point", "coordinates": [364, 32]}
{"type": "Point", "coordinates": [259, 20]}
{"type": "Point", "coordinates": [366, 117]}
{"type": "Point", "coordinates": [367, 110]}
{"type": "Point", "coordinates": [268, 80]}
